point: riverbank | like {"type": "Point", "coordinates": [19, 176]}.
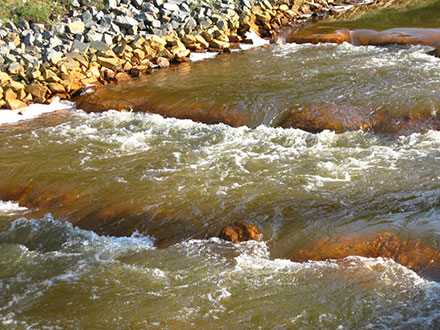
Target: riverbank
{"type": "Point", "coordinates": [131, 38]}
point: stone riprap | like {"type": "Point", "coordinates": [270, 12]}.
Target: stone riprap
{"type": "Point", "coordinates": [128, 39]}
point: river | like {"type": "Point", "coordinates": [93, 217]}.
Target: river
{"type": "Point", "coordinates": [109, 219]}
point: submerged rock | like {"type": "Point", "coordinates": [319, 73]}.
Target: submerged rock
{"type": "Point", "coordinates": [413, 254]}
{"type": "Point", "coordinates": [240, 232]}
{"type": "Point", "coordinates": [401, 36]}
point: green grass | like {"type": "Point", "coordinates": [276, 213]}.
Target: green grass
{"type": "Point", "coordinates": [37, 11]}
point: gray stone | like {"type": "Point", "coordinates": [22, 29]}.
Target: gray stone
{"type": "Point", "coordinates": [149, 7]}
{"type": "Point", "coordinates": [111, 4]}
{"type": "Point", "coordinates": [205, 23]}
{"type": "Point", "coordinates": [115, 29]}
{"type": "Point", "coordinates": [108, 39]}
{"type": "Point", "coordinates": [87, 17]}
{"type": "Point", "coordinates": [171, 6]}
{"type": "Point", "coordinates": [11, 58]}
{"type": "Point", "coordinates": [156, 24]}
{"type": "Point", "coordinates": [146, 17]}
{"type": "Point", "coordinates": [14, 68]}
{"type": "Point", "coordinates": [47, 35]}
{"type": "Point", "coordinates": [93, 35]}
{"type": "Point", "coordinates": [75, 4]}
{"type": "Point", "coordinates": [246, 3]}
{"type": "Point", "coordinates": [126, 22]}
{"type": "Point", "coordinates": [175, 25]}
{"type": "Point", "coordinates": [23, 25]}
{"type": "Point", "coordinates": [185, 7]}
{"type": "Point", "coordinates": [179, 16]}
{"type": "Point", "coordinates": [28, 37]}
{"type": "Point", "coordinates": [53, 57]}
{"type": "Point", "coordinates": [79, 46]}
{"type": "Point", "coordinates": [59, 29]}
{"type": "Point", "coordinates": [79, 37]}
{"type": "Point", "coordinates": [11, 26]}
{"type": "Point", "coordinates": [137, 3]}
{"type": "Point", "coordinates": [133, 30]}
{"type": "Point", "coordinates": [106, 22]}
{"type": "Point", "coordinates": [40, 42]}
{"type": "Point", "coordinates": [4, 49]}
{"type": "Point", "coordinates": [99, 16]}
{"type": "Point", "coordinates": [133, 11]}
{"type": "Point", "coordinates": [55, 41]}
{"type": "Point", "coordinates": [39, 28]}
{"type": "Point", "coordinates": [101, 47]}
{"type": "Point", "coordinates": [191, 23]}
{"type": "Point", "coordinates": [222, 25]}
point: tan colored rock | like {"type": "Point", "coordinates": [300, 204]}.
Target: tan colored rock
{"type": "Point", "coordinates": [28, 98]}
{"type": "Point", "coordinates": [122, 49]}
{"type": "Point", "coordinates": [174, 42]}
{"type": "Point", "coordinates": [50, 76]}
{"type": "Point", "coordinates": [283, 8]}
{"type": "Point", "coordinates": [4, 77]}
{"type": "Point", "coordinates": [138, 43]}
{"type": "Point", "coordinates": [37, 90]}
{"type": "Point", "coordinates": [16, 104]}
{"type": "Point", "coordinates": [33, 73]}
{"type": "Point", "coordinates": [56, 88]}
{"type": "Point", "coordinates": [71, 86]}
{"type": "Point", "coordinates": [108, 62]}
{"type": "Point", "coordinates": [76, 27]}
{"type": "Point", "coordinates": [180, 53]}
{"type": "Point", "coordinates": [217, 44]}
{"type": "Point", "coordinates": [150, 53]}
{"type": "Point", "coordinates": [15, 86]}
{"type": "Point", "coordinates": [162, 62]}
{"type": "Point", "coordinates": [189, 40]}
{"type": "Point", "coordinates": [122, 76]}
{"type": "Point", "coordinates": [90, 80]}
{"type": "Point", "coordinates": [15, 68]}
{"type": "Point", "coordinates": [140, 55]}
{"type": "Point", "coordinates": [93, 70]}
{"type": "Point", "coordinates": [165, 53]}
{"type": "Point", "coordinates": [207, 36]}
{"type": "Point", "coordinates": [157, 42]}
{"type": "Point", "coordinates": [9, 95]}
{"type": "Point", "coordinates": [202, 41]}
{"type": "Point", "coordinates": [69, 65]}
{"type": "Point", "coordinates": [21, 94]}
{"type": "Point", "coordinates": [80, 58]}
{"type": "Point", "coordinates": [127, 66]}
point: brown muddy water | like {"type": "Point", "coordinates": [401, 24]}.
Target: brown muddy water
{"type": "Point", "coordinates": [144, 196]}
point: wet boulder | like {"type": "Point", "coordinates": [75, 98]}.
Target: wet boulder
{"type": "Point", "coordinates": [365, 37]}
{"type": "Point", "coordinates": [240, 232]}
{"type": "Point", "coordinates": [413, 254]}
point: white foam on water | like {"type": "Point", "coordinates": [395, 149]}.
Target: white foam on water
{"type": "Point", "coordinates": [195, 57]}
{"type": "Point", "coordinates": [10, 207]}
{"type": "Point", "coordinates": [257, 41]}
{"type": "Point", "coordinates": [33, 110]}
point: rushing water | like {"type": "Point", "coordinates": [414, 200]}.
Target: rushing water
{"type": "Point", "coordinates": [132, 183]}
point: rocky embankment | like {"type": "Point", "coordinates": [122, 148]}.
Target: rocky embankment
{"type": "Point", "coordinates": [130, 38]}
